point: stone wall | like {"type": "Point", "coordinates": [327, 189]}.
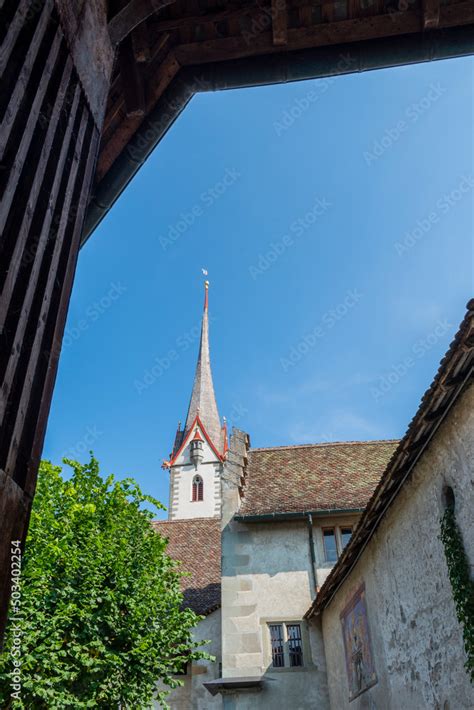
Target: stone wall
{"type": "Point", "coordinates": [267, 576]}
{"type": "Point", "coordinates": [417, 644]}
{"type": "Point", "coordinates": [193, 695]}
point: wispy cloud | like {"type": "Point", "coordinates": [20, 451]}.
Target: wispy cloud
{"type": "Point", "coordinates": [337, 425]}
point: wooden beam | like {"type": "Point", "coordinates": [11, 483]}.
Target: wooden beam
{"type": "Point", "coordinates": [301, 38]}
{"type": "Point", "coordinates": [141, 43]}
{"type": "Point", "coordinates": [279, 22]}
{"type": "Point", "coordinates": [132, 15]}
{"type": "Point", "coordinates": [430, 14]}
{"type": "Point", "coordinates": [177, 23]}
{"type": "Point", "coordinates": [342, 32]}
{"type": "Point", "coordinates": [120, 138]}
{"type": "Point", "coordinates": [131, 79]}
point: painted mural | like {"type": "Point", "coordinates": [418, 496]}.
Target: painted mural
{"type": "Point", "coordinates": [355, 630]}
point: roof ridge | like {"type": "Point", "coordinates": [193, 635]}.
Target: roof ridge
{"type": "Point", "coordinates": [323, 444]}
{"type": "Point", "coordinates": [184, 520]}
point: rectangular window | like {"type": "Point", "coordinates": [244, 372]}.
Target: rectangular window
{"type": "Point", "coordinates": [346, 534]}
{"type": "Point", "coordinates": [276, 636]}
{"type": "Point", "coordinates": [330, 546]}
{"type": "Point", "coordinates": [295, 645]}
{"type": "Point", "coordinates": [287, 645]}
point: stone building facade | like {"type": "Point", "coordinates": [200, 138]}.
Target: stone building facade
{"type": "Point", "coordinates": [319, 570]}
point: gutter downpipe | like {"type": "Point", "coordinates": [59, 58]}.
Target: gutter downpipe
{"type": "Point", "coordinates": [316, 63]}
{"type": "Point", "coordinates": [311, 551]}
{"type": "Point", "coordinates": [302, 515]}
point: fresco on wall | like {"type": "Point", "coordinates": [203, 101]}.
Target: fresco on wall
{"type": "Point", "coordinates": [355, 630]}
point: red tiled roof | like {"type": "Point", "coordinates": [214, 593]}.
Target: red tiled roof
{"type": "Point", "coordinates": [340, 475]}
{"type": "Point", "coordinates": [196, 543]}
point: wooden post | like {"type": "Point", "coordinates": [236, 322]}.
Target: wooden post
{"type": "Point", "coordinates": [51, 110]}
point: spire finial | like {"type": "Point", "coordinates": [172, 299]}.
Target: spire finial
{"type": "Point", "coordinates": [203, 400]}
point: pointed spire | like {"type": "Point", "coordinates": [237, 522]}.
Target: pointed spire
{"type": "Point", "coordinates": [203, 399]}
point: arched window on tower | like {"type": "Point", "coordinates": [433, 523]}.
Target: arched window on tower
{"type": "Point", "coordinates": [198, 489]}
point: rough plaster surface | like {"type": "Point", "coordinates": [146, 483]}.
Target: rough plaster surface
{"type": "Point", "coordinates": [267, 576]}
{"type": "Point", "coordinates": [193, 695]}
{"type": "Point", "coordinates": [416, 638]}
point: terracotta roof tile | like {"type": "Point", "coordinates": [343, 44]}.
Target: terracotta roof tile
{"type": "Point", "coordinates": [340, 475]}
{"type": "Point", "coordinates": [196, 543]}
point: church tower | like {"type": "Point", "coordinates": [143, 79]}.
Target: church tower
{"type": "Point", "coordinates": [199, 449]}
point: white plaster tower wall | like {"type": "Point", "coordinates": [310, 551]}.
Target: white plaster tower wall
{"type": "Point", "coordinates": [183, 473]}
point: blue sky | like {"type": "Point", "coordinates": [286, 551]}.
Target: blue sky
{"type": "Point", "coordinates": [335, 220]}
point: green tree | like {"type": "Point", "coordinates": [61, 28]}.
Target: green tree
{"type": "Point", "coordinates": [101, 615]}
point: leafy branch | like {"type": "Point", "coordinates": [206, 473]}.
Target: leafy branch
{"type": "Point", "coordinates": [461, 583]}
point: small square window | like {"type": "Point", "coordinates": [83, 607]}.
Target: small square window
{"type": "Point", "coordinates": [184, 669]}
{"type": "Point", "coordinates": [330, 546]}
{"type": "Point", "coordinates": [286, 644]}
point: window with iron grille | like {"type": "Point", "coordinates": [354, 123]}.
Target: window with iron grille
{"type": "Point", "coordinates": [198, 489]}
{"type": "Point", "coordinates": [286, 645]}
{"type": "Point", "coordinates": [295, 645]}
{"type": "Point", "coordinates": [276, 637]}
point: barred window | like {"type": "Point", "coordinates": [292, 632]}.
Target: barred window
{"type": "Point", "coordinates": [295, 645]}
{"type": "Point", "coordinates": [286, 645]}
{"type": "Point", "coordinates": [276, 636]}
{"type": "Point", "coordinates": [198, 489]}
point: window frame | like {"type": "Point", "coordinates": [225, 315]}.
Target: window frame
{"type": "Point", "coordinates": [285, 622]}
{"type": "Point", "coordinates": [337, 530]}
{"type": "Point", "coordinates": [197, 489]}
{"type": "Point", "coordinates": [332, 529]}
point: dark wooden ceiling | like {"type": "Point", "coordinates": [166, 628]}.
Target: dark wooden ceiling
{"type": "Point", "coordinates": [198, 32]}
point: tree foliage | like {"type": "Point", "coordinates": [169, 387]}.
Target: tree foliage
{"type": "Point", "coordinates": [461, 583]}
{"type": "Point", "coordinates": [101, 617]}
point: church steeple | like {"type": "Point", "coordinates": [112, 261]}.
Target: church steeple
{"type": "Point", "coordinates": [199, 449]}
{"type": "Point", "coordinates": [203, 399]}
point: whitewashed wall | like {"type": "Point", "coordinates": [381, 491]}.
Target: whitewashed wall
{"type": "Point", "coordinates": [181, 478]}
{"type": "Point", "coordinates": [267, 577]}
